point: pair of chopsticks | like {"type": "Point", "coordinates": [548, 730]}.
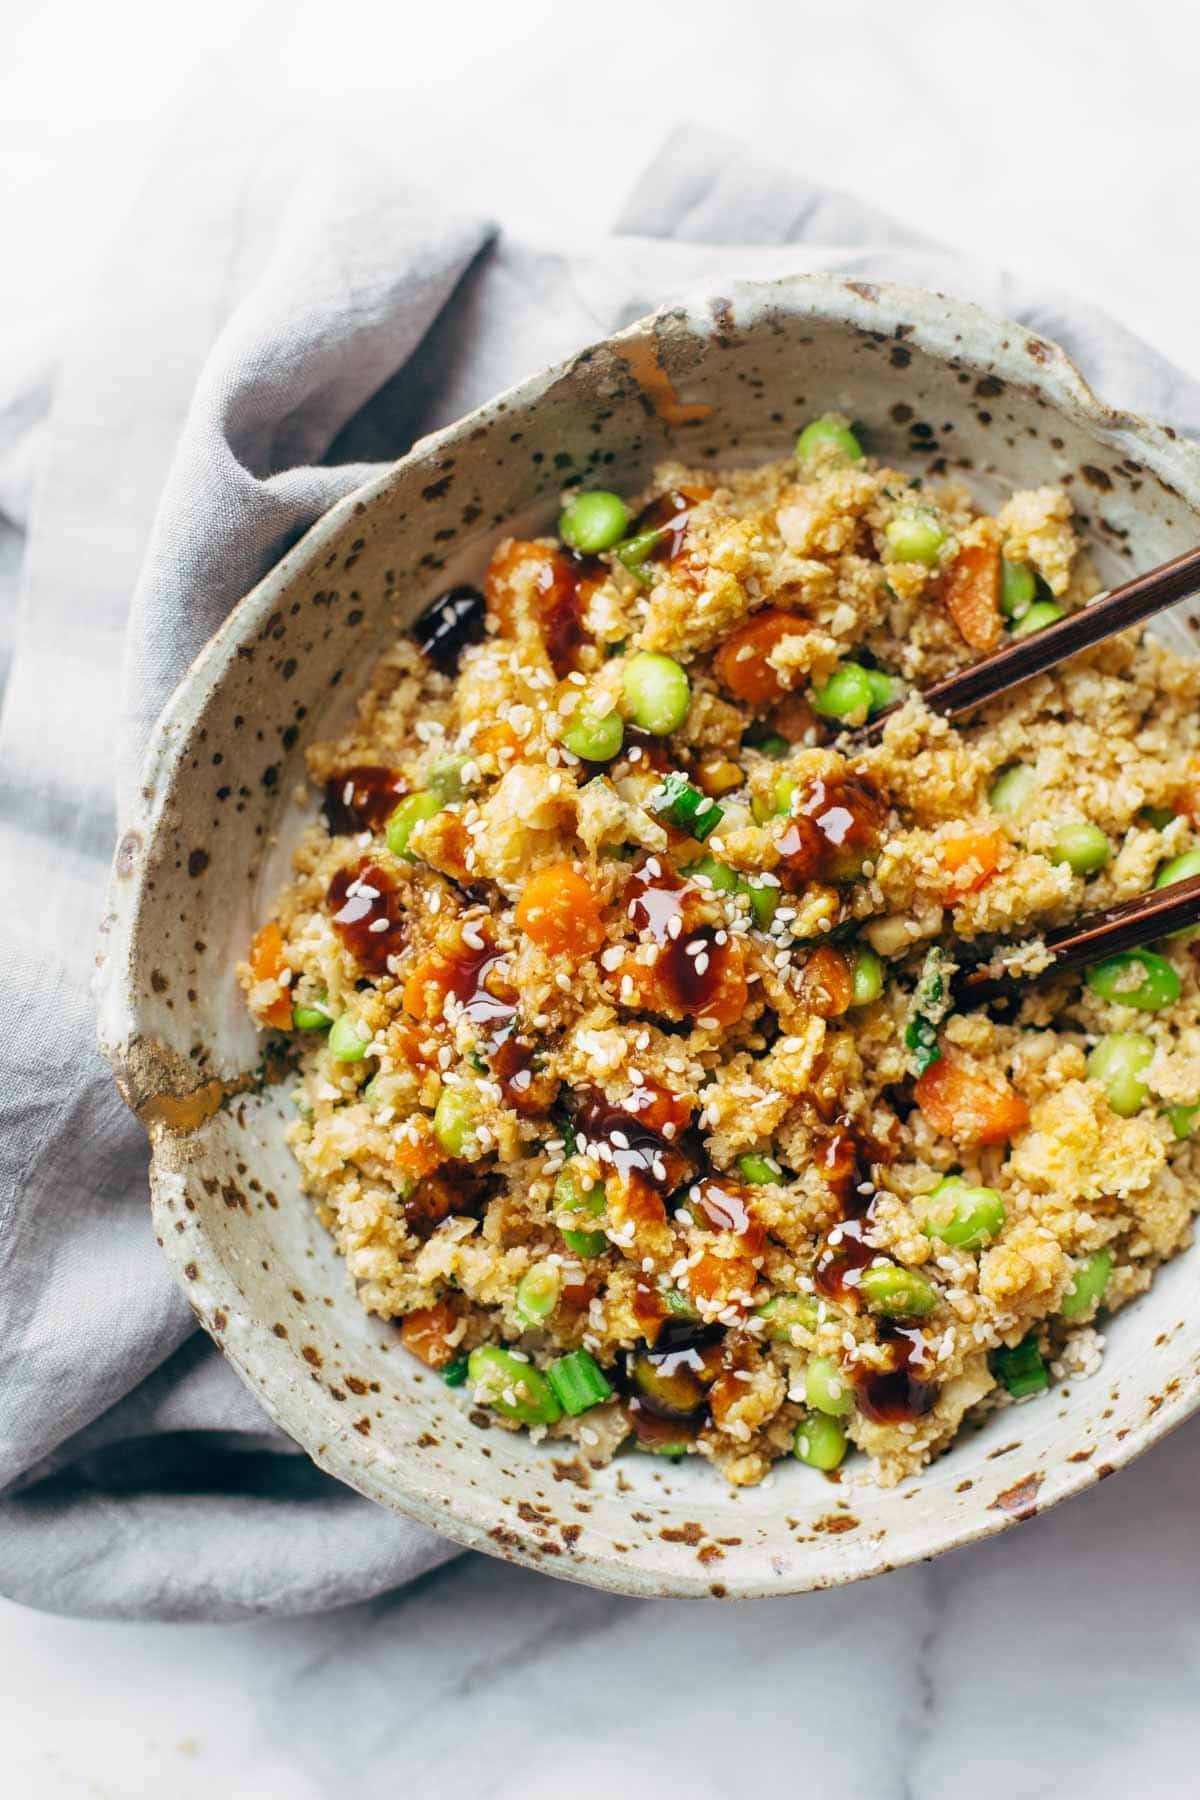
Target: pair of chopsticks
{"type": "Point", "coordinates": [1135, 922]}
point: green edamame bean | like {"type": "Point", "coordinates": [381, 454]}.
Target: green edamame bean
{"type": "Point", "coordinates": [594, 521]}
{"type": "Point", "coordinates": [1138, 978]}
{"type": "Point", "coordinates": [786, 1312]}
{"type": "Point", "coordinates": [1017, 589]}
{"type": "Point", "coordinates": [915, 535]}
{"type": "Point", "coordinates": [514, 1389]}
{"type": "Point", "coordinates": [1180, 868]}
{"type": "Point", "coordinates": [828, 439]}
{"type": "Point", "coordinates": [1012, 789]}
{"type": "Point", "coordinates": [408, 815]}
{"type": "Point", "coordinates": [826, 1388]}
{"type": "Point", "coordinates": [884, 688]}
{"type": "Point", "coordinates": [1182, 1119]}
{"type": "Point", "coordinates": [594, 737]}
{"type": "Point", "coordinates": [819, 1441]}
{"type": "Point", "coordinates": [571, 1195]}
{"type": "Point", "coordinates": [1116, 1063]}
{"type": "Point", "coordinates": [445, 778]}
{"type": "Point", "coordinates": [896, 1292]}
{"type": "Point", "coordinates": [847, 695]}
{"type": "Point", "coordinates": [312, 1015]}
{"type": "Point", "coordinates": [657, 692]}
{"type": "Point", "coordinates": [1091, 1279]}
{"type": "Point", "coordinates": [346, 1042]}
{"type": "Point", "coordinates": [867, 972]}
{"type": "Point", "coordinates": [1082, 846]}
{"type": "Point", "coordinates": [1041, 614]}
{"type": "Point", "coordinates": [454, 1121]}
{"type": "Point", "coordinates": [538, 1291]}
{"type": "Point", "coordinates": [966, 1217]}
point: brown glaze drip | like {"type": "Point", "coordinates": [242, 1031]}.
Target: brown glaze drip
{"type": "Point", "coordinates": [649, 1308]}
{"type": "Point", "coordinates": [895, 1394]}
{"type": "Point", "coordinates": [368, 914]}
{"type": "Point", "coordinates": [691, 966]}
{"type": "Point", "coordinates": [448, 624]}
{"type": "Point", "coordinates": [476, 979]}
{"type": "Point", "coordinates": [835, 827]}
{"type": "Point", "coordinates": [629, 1137]}
{"type": "Point", "coordinates": [512, 1065]}
{"type": "Point", "coordinates": [453, 1189]}
{"type": "Point", "coordinates": [724, 1205]}
{"type": "Point", "coordinates": [652, 750]}
{"type": "Point", "coordinates": [669, 514]}
{"type": "Point", "coordinates": [564, 583]}
{"type": "Point", "coordinates": [844, 1161]}
{"type": "Point", "coordinates": [649, 1428]}
{"type": "Point", "coordinates": [362, 798]}
{"type": "Point", "coordinates": [667, 1387]}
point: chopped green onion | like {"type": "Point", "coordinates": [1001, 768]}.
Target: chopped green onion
{"type": "Point", "coordinates": [588, 1244]}
{"type": "Point", "coordinates": [920, 1036]}
{"type": "Point", "coordinates": [636, 552]}
{"type": "Point", "coordinates": [313, 1016]}
{"type": "Point", "coordinates": [769, 744]}
{"type": "Point", "coordinates": [455, 1373]}
{"type": "Point", "coordinates": [685, 807]}
{"type": "Point", "coordinates": [1021, 1370]}
{"type": "Point", "coordinates": [1158, 816]}
{"type": "Point", "coordinates": [578, 1382]}
{"type": "Point", "coordinates": [445, 778]}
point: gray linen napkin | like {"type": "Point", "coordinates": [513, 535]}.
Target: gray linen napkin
{"type": "Point", "coordinates": [138, 1478]}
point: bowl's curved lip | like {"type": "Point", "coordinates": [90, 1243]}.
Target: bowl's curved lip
{"type": "Point", "coordinates": [946, 328]}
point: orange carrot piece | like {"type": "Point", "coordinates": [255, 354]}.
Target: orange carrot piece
{"type": "Point", "coordinates": [559, 911]}
{"type": "Point", "coordinates": [972, 595]}
{"type": "Point", "coordinates": [970, 861]}
{"type": "Point", "coordinates": [741, 662]}
{"type": "Point", "coordinates": [267, 964]}
{"type": "Point", "coordinates": [424, 1333]}
{"type": "Point", "coordinates": [968, 1109]}
{"type": "Point", "coordinates": [827, 984]}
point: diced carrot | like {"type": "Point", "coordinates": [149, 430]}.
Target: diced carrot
{"type": "Point", "coordinates": [827, 985]}
{"type": "Point", "coordinates": [967, 1108]}
{"type": "Point", "coordinates": [970, 861]}
{"type": "Point", "coordinates": [426, 1332]}
{"type": "Point", "coordinates": [415, 1152]}
{"type": "Point", "coordinates": [427, 987]}
{"type": "Point", "coordinates": [267, 964]}
{"type": "Point", "coordinates": [972, 595]}
{"type": "Point", "coordinates": [499, 741]}
{"type": "Point", "coordinates": [1186, 804]}
{"type": "Point", "coordinates": [717, 776]}
{"type": "Point", "coordinates": [741, 662]}
{"type": "Point", "coordinates": [717, 1279]}
{"type": "Point", "coordinates": [559, 911]}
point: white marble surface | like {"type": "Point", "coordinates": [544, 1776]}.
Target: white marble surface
{"type": "Point", "coordinates": [1063, 1657]}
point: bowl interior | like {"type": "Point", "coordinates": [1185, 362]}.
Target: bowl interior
{"type": "Point", "coordinates": [939, 388]}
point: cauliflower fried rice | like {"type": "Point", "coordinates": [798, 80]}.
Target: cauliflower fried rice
{"type": "Point", "coordinates": [619, 981]}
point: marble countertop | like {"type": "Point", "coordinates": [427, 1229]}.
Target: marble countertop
{"type": "Point", "coordinates": [1064, 1656]}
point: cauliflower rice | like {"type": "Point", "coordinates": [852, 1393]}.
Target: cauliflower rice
{"type": "Point", "coordinates": [630, 1081]}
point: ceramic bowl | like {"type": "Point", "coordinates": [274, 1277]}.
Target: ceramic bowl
{"type": "Point", "coordinates": [939, 387]}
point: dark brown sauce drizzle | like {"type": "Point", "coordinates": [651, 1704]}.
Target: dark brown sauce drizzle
{"type": "Point", "coordinates": [362, 798]}
{"type": "Point", "coordinates": [476, 979]}
{"type": "Point", "coordinates": [370, 923]}
{"type": "Point", "coordinates": [691, 965]}
{"type": "Point", "coordinates": [669, 1403]}
{"type": "Point", "coordinates": [448, 624]}
{"type": "Point", "coordinates": [896, 1394]}
{"type": "Point", "coordinates": [835, 828]}
{"type": "Point", "coordinates": [669, 514]}
{"type": "Point", "coordinates": [563, 586]}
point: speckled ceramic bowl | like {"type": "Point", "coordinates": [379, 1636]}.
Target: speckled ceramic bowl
{"type": "Point", "coordinates": [938, 386]}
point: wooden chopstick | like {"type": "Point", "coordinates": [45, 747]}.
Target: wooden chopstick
{"type": "Point", "coordinates": [1025, 657]}
{"type": "Point", "coordinates": [1128, 926]}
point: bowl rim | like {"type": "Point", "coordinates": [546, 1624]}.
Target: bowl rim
{"type": "Point", "coordinates": [935, 323]}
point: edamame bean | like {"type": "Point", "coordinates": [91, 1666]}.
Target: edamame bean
{"type": "Point", "coordinates": [1082, 846]}
{"type": "Point", "coordinates": [884, 688]}
{"type": "Point", "coordinates": [1012, 789]}
{"type": "Point", "coordinates": [966, 1217]}
{"type": "Point", "coordinates": [786, 1312]}
{"type": "Point", "coordinates": [1138, 978]}
{"type": "Point", "coordinates": [313, 1015]}
{"type": "Point", "coordinates": [828, 440]}
{"type": "Point", "coordinates": [594, 521]}
{"type": "Point", "coordinates": [1116, 1063]}
{"type": "Point", "coordinates": [896, 1292]}
{"type": "Point", "coordinates": [826, 1388]}
{"type": "Point", "coordinates": [572, 1194]}
{"type": "Point", "coordinates": [1017, 589]}
{"type": "Point", "coordinates": [915, 535]}
{"type": "Point", "coordinates": [1179, 869]}
{"type": "Point", "coordinates": [454, 1121]}
{"type": "Point", "coordinates": [538, 1291]}
{"type": "Point", "coordinates": [867, 972]}
{"type": "Point", "coordinates": [657, 692]}
{"type": "Point", "coordinates": [408, 815]}
{"type": "Point", "coordinates": [445, 778]}
{"type": "Point", "coordinates": [1091, 1279]}
{"type": "Point", "coordinates": [847, 695]}
{"type": "Point", "coordinates": [511, 1387]}
{"type": "Point", "coordinates": [1182, 1119]}
{"type": "Point", "coordinates": [819, 1441]}
{"type": "Point", "coordinates": [346, 1042]}
{"type": "Point", "coordinates": [594, 737]}
{"type": "Point", "coordinates": [1041, 614]}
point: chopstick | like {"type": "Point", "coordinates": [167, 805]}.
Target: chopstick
{"type": "Point", "coordinates": [1025, 657]}
{"type": "Point", "coordinates": [1128, 926]}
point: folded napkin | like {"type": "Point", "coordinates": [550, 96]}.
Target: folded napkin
{"type": "Point", "coordinates": [284, 356]}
